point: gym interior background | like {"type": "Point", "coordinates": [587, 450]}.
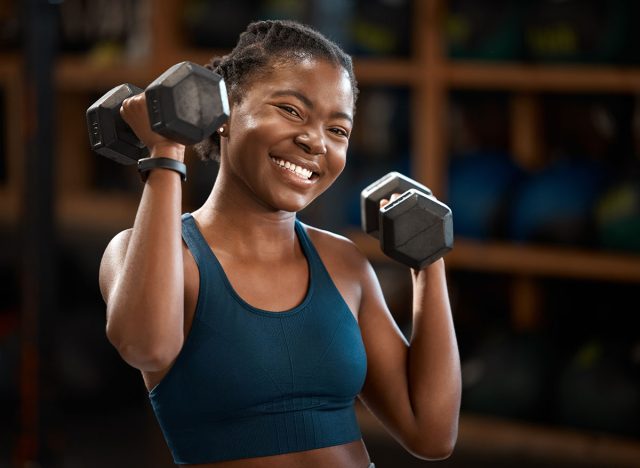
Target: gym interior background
{"type": "Point", "coordinates": [523, 116]}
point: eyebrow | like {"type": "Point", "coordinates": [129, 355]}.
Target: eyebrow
{"type": "Point", "coordinates": [307, 102]}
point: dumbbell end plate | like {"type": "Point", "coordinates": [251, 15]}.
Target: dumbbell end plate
{"type": "Point", "coordinates": [109, 135]}
{"type": "Point", "coordinates": [187, 103]}
{"type": "Point", "coordinates": [416, 229]}
{"type": "Point", "coordinates": [370, 197]}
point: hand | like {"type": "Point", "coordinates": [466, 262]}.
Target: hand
{"type": "Point", "coordinates": [134, 112]}
{"type": "Point", "coordinates": [385, 201]}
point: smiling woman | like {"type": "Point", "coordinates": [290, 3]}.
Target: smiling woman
{"type": "Point", "coordinates": [255, 333]}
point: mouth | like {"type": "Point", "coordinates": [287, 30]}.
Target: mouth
{"type": "Point", "coordinates": [299, 171]}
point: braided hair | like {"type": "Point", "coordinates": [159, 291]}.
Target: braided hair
{"type": "Point", "coordinates": [258, 47]}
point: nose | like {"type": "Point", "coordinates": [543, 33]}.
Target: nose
{"type": "Point", "coordinates": [311, 142]}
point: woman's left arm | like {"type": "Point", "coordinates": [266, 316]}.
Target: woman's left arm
{"type": "Point", "coordinates": [414, 388]}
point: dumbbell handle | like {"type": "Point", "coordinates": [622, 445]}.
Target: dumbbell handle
{"type": "Point", "coordinates": [408, 194]}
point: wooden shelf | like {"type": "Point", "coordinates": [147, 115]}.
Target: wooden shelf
{"type": "Point", "coordinates": [500, 437]}
{"type": "Point", "coordinates": [523, 259]}
{"type": "Point", "coordinates": [394, 71]}
{"type": "Point", "coordinates": [551, 78]}
{"type": "Point", "coordinates": [387, 71]}
{"type": "Point", "coordinates": [10, 63]}
{"type": "Point", "coordinates": [80, 74]}
{"type": "Point", "coordinates": [555, 261]}
{"type": "Point", "coordinates": [96, 212]}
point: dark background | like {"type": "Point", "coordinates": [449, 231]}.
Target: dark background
{"type": "Point", "coordinates": [531, 112]}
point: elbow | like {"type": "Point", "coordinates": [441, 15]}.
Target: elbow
{"type": "Point", "coordinates": [146, 360]}
{"type": "Point", "coordinates": [433, 448]}
{"type": "Point", "coordinates": [145, 355]}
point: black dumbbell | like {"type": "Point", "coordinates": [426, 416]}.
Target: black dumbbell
{"type": "Point", "coordinates": [415, 229]}
{"type": "Point", "coordinates": [186, 104]}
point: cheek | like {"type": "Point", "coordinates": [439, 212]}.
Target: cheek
{"type": "Point", "coordinates": [338, 162]}
{"type": "Point", "coordinates": [245, 138]}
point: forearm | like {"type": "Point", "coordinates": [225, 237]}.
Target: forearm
{"type": "Point", "coordinates": [145, 308]}
{"type": "Point", "coordinates": [433, 361]}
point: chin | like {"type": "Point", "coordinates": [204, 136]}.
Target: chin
{"type": "Point", "coordinates": [291, 204]}
{"type": "Point", "coordinates": [291, 207]}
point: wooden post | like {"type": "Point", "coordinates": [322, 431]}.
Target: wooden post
{"type": "Point", "coordinates": [527, 139]}
{"type": "Point", "coordinates": [430, 101]}
{"type": "Point", "coordinates": [38, 297]}
{"type": "Point", "coordinates": [526, 304]}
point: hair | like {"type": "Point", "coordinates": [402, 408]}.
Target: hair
{"type": "Point", "coordinates": [260, 46]}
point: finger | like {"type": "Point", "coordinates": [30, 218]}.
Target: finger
{"type": "Point", "coordinates": [385, 201]}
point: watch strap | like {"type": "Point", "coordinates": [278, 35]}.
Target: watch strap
{"type": "Point", "coordinates": [147, 164]}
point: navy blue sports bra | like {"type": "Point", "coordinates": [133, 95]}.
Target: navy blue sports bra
{"type": "Point", "coordinates": [252, 383]}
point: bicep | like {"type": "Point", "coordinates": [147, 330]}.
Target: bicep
{"type": "Point", "coordinates": [386, 388]}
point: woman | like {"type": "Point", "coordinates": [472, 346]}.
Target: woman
{"type": "Point", "coordinates": [254, 333]}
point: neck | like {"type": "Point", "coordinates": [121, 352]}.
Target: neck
{"type": "Point", "coordinates": [232, 217]}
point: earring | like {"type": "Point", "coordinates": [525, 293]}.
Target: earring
{"type": "Point", "coordinates": [221, 130]}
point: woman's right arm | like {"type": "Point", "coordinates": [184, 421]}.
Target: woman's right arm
{"type": "Point", "coordinates": [142, 271]}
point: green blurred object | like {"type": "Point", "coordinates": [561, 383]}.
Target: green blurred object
{"type": "Point", "coordinates": [597, 391]}
{"type": "Point", "coordinates": [508, 376]}
{"type": "Point", "coordinates": [380, 28]}
{"type": "Point", "coordinates": [577, 30]}
{"type": "Point", "coordinates": [489, 30]}
{"type": "Point", "coordinates": [618, 217]}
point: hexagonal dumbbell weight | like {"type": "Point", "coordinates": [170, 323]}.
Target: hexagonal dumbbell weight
{"type": "Point", "coordinates": [415, 229]}
{"type": "Point", "coordinates": [186, 104]}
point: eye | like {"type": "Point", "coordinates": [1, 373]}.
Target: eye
{"type": "Point", "coordinates": [289, 110]}
{"type": "Point", "coordinates": [339, 131]}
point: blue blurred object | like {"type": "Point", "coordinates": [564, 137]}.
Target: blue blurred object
{"type": "Point", "coordinates": [334, 18]}
{"type": "Point", "coordinates": [480, 186]}
{"type": "Point", "coordinates": [556, 204]}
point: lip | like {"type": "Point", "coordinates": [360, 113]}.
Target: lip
{"type": "Point", "coordinates": [290, 177]}
{"type": "Point", "coordinates": [304, 163]}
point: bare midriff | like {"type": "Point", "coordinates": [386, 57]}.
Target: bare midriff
{"type": "Point", "coordinates": [351, 455]}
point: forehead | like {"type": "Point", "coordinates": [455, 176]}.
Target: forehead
{"type": "Point", "coordinates": [321, 81]}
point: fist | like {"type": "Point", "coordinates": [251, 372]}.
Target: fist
{"type": "Point", "coordinates": [134, 113]}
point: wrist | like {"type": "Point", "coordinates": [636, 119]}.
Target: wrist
{"type": "Point", "coordinates": [146, 165]}
{"type": "Point", "coordinates": [434, 267]}
{"type": "Point", "coordinates": [173, 151]}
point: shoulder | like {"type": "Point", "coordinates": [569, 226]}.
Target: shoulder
{"type": "Point", "coordinates": [112, 259]}
{"type": "Point", "coordinates": [117, 246]}
{"type": "Point", "coordinates": [338, 250]}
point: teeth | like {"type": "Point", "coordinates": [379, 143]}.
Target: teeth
{"type": "Point", "coordinates": [299, 171]}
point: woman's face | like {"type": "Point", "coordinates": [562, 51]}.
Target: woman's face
{"type": "Point", "coordinates": [288, 135]}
